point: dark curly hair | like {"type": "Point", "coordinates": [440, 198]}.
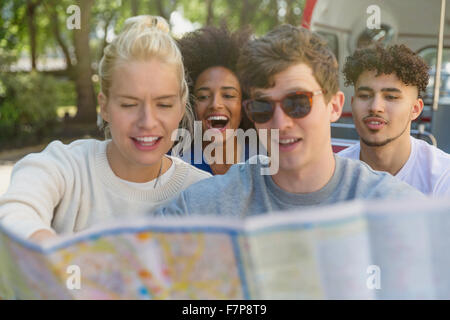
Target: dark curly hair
{"type": "Point", "coordinates": [410, 68]}
{"type": "Point", "coordinates": [212, 47]}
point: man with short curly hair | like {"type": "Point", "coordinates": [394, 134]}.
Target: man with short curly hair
{"type": "Point", "coordinates": [388, 83]}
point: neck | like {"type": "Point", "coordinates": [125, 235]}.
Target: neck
{"type": "Point", "coordinates": [132, 172]}
{"type": "Point", "coordinates": [227, 159]}
{"type": "Point", "coordinates": [311, 177]}
{"type": "Point", "coordinates": [391, 157]}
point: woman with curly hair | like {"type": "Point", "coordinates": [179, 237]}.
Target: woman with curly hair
{"type": "Point", "coordinates": [210, 56]}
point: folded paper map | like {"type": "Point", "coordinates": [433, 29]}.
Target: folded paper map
{"type": "Point", "coordinates": [353, 250]}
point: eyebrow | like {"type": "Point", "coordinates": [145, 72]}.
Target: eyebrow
{"type": "Point", "coordinates": [382, 90]}
{"type": "Point", "coordinates": [259, 94]}
{"type": "Point", "coordinates": [127, 96]}
{"type": "Point", "coordinates": [157, 98]}
{"type": "Point", "coordinates": [222, 88]}
{"type": "Point", "coordinates": [168, 96]}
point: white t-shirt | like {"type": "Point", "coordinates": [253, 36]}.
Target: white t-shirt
{"type": "Point", "coordinates": [427, 168]}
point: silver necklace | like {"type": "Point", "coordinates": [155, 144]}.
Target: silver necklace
{"type": "Point", "coordinates": [159, 174]}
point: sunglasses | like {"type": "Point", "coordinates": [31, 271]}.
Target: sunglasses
{"type": "Point", "coordinates": [296, 105]}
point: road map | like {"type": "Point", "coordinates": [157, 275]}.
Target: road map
{"type": "Point", "coordinates": [329, 252]}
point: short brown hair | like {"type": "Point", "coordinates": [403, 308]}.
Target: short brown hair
{"type": "Point", "coordinates": [283, 47]}
{"type": "Point", "coordinates": [410, 68]}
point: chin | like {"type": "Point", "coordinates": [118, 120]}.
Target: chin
{"type": "Point", "coordinates": [145, 162]}
{"type": "Point", "coordinates": [290, 164]}
{"type": "Point", "coordinates": [375, 142]}
{"type": "Point", "coordinates": [147, 157]}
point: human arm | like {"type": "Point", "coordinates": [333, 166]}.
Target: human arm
{"type": "Point", "coordinates": [36, 187]}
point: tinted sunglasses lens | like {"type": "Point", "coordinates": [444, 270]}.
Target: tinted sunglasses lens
{"type": "Point", "coordinates": [297, 106]}
{"type": "Point", "coordinates": [260, 111]}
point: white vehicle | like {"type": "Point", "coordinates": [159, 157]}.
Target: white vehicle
{"type": "Point", "coordinates": [349, 24]}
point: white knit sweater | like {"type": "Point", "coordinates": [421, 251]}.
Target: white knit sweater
{"type": "Point", "coordinates": [68, 188]}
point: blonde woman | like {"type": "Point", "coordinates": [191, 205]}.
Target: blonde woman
{"type": "Point", "coordinates": [143, 99]}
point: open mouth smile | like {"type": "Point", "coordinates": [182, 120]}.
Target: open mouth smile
{"type": "Point", "coordinates": [218, 122]}
{"type": "Point", "coordinates": [147, 142]}
{"type": "Point", "coordinates": [288, 144]}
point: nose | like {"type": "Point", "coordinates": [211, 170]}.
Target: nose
{"type": "Point", "coordinates": [280, 119]}
{"type": "Point", "coordinates": [377, 104]}
{"type": "Point", "coordinates": [217, 101]}
{"type": "Point", "coordinates": [147, 118]}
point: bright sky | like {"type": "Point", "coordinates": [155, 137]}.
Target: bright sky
{"type": "Point", "coordinates": [178, 23]}
{"type": "Point", "coordinates": [181, 25]}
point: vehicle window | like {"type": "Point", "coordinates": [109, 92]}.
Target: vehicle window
{"type": "Point", "coordinates": [332, 42]}
{"type": "Point", "coordinates": [384, 35]}
{"type": "Point", "coordinates": [430, 56]}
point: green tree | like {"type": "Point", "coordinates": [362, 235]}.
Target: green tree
{"type": "Point", "coordinates": [38, 27]}
{"type": "Point", "coordinates": [86, 102]}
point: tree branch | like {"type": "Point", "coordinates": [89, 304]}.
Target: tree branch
{"type": "Point", "coordinates": [247, 12]}
{"type": "Point", "coordinates": [210, 12]}
{"type": "Point", "coordinates": [32, 31]}
{"type": "Point", "coordinates": [135, 7]}
{"type": "Point", "coordinates": [161, 10]}
{"type": "Point", "coordinates": [57, 33]}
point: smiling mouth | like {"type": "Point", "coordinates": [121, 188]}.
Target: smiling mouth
{"type": "Point", "coordinates": [374, 123]}
{"type": "Point", "coordinates": [217, 122]}
{"type": "Point", "coordinates": [286, 142]}
{"type": "Point", "coordinates": [147, 141]}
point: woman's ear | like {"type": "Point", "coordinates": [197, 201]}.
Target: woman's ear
{"type": "Point", "coordinates": [337, 103]}
{"type": "Point", "coordinates": [103, 102]}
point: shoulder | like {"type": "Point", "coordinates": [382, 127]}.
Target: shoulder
{"type": "Point", "coordinates": [81, 144]}
{"type": "Point", "coordinates": [64, 154]}
{"type": "Point", "coordinates": [56, 167]}
{"type": "Point", "coordinates": [193, 174]}
{"type": "Point", "coordinates": [433, 162]}
{"type": "Point", "coordinates": [351, 152]}
{"type": "Point", "coordinates": [218, 194]}
{"type": "Point", "coordinates": [59, 161]}
{"type": "Point", "coordinates": [77, 148]}
{"type": "Point", "coordinates": [239, 179]}
{"type": "Point", "coordinates": [442, 187]}
{"type": "Point", "coordinates": [357, 170]}
{"type": "Point", "coordinates": [429, 153]}
{"type": "Point", "coordinates": [364, 182]}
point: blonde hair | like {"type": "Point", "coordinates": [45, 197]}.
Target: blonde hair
{"type": "Point", "coordinates": [142, 38]}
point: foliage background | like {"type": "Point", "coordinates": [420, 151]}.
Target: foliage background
{"type": "Point", "coordinates": [34, 98]}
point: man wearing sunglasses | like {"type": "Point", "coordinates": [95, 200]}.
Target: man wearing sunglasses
{"type": "Point", "coordinates": [292, 79]}
{"type": "Point", "coordinates": [388, 83]}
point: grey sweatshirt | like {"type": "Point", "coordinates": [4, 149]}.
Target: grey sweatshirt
{"type": "Point", "coordinates": [243, 191]}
